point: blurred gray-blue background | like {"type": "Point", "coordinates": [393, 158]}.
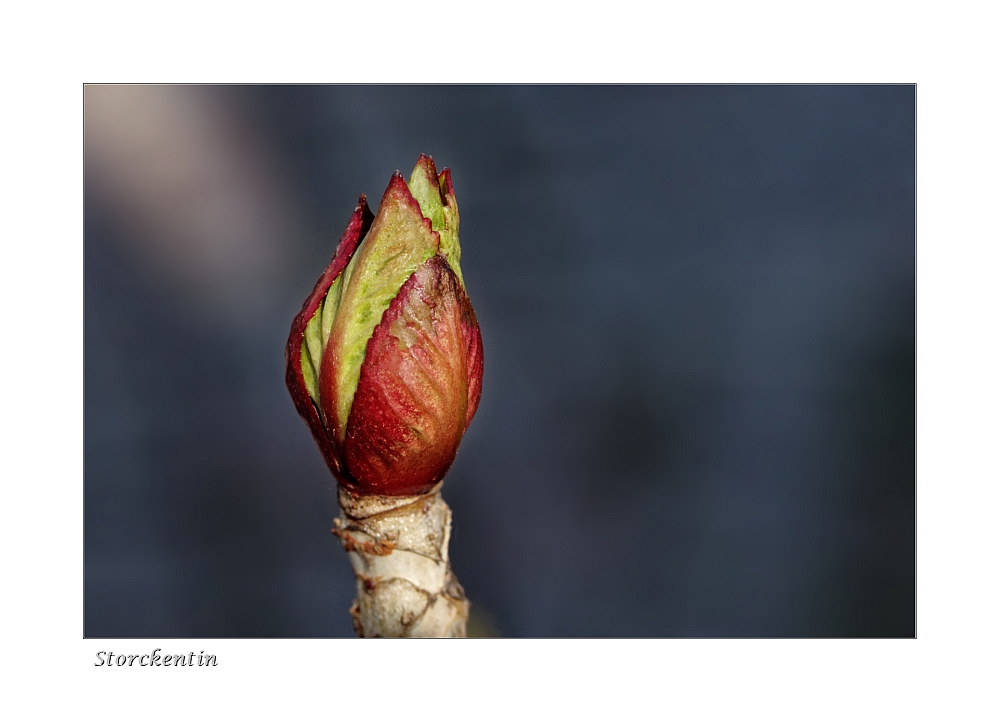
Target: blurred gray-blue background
{"type": "Point", "coordinates": [697, 307]}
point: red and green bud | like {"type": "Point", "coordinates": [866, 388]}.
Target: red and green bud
{"type": "Point", "coordinates": [385, 360]}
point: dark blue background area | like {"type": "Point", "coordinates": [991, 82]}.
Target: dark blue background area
{"type": "Point", "coordinates": [697, 307]}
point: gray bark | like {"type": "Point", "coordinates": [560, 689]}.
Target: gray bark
{"type": "Point", "coordinates": [398, 547]}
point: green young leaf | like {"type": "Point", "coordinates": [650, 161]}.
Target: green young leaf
{"type": "Point", "coordinates": [450, 248]}
{"type": "Point", "coordinates": [424, 187]}
{"type": "Point", "coordinates": [311, 346]}
{"type": "Point", "coordinates": [316, 335]}
{"type": "Point", "coordinates": [397, 243]}
{"type": "Point", "coordinates": [440, 208]}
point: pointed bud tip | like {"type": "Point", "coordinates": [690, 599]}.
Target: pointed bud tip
{"type": "Point", "coordinates": [444, 180]}
{"type": "Point", "coordinates": [427, 163]}
{"type": "Point", "coordinates": [398, 188]}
